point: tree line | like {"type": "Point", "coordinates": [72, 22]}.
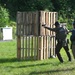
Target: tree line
{"type": "Point", "coordinates": [65, 8]}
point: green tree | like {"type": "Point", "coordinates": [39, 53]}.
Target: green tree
{"type": "Point", "coordinates": [26, 5]}
{"type": "Point", "coordinates": [4, 17]}
{"type": "Point", "coordinates": [60, 6]}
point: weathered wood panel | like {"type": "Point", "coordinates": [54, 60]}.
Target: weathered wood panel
{"type": "Point", "coordinates": [30, 23]}
{"type": "Point", "coordinates": [34, 41]}
{"type": "Point", "coordinates": [35, 47]}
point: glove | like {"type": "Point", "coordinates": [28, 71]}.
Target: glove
{"type": "Point", "coordinates": [44, 25]}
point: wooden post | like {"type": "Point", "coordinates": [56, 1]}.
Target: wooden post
{"type": "Point", "coordinates": [40, 50]}
{"type": "Point", "coordinates": [18, 47]}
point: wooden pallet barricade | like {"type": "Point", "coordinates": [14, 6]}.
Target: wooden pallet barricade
{"type": "Point", "coordinates": [34, 41]}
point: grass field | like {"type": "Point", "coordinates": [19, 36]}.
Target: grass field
{"type": "Point", "coordinates": [9, 65]}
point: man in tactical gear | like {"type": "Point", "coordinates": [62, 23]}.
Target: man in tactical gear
{"type": "Point", "coordinates": [61, 40]}
{"type": "Point", "coordinates": [72, 38]}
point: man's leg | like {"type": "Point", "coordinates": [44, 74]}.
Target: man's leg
{"type": "Point", "coordinates": [67, 52]}
{"type": "Point", "coordinates": [73, 51]}
{"type": "Point", "coordinates": [58, 47]}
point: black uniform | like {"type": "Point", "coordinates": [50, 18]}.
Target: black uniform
{"type": "Point", "coordinates": [60, 42]}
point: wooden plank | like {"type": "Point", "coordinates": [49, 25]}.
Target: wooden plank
{"type": "Point", "coordinates": [44, 46]}
{"type": "Point", "coordinates": [33, 25]}
{"type": "Point", "coordinates": [47, 22]}
{"type": "Point", "coordinates": [35, 21]}
{"type": "Point", "coordinates": [40, 51]}
{"type": "Point", "coordinates": [35, 47]}
{"type": "Point", "coordinates": [47, 47]}
{"type": "Point", "coordinates": [53, 22]}
{"type": "Point", "coordinates": [20, 23]}
{"type": "Point", "coordinates": [19, 17]}
{"type": "Point", "coordinates": [42, 21]}
{"type": "Point", "coordinates": [28, 46]}
{"type": "Point", "coordinates": [25, 46]}
{"type": "Point", "coordinates": [18, 47]}
{"type": "Point", "coordinates": [30, 23]}
{"type": "Point", "coordinates": [53, 46]}
{"type": "Point", "coordinates": [50, 22]}
{"type": "Point", "coordinates": [32, 46]}
{"type": "Point", "coordinates": [41, 48]}
{"type": "Point", "coordinates": [25, 23]}
{"type": "Point", "coordinates": [56, 16]}
{"type": "Point", "coordinates": [22, 50]}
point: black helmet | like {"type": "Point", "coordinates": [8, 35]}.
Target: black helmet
{"type": "Point", "coordinates": [56, 23]}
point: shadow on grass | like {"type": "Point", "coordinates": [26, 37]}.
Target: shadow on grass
{"type": "Point", "coordinates": [11, 60]}
{"type": "Point", "coordinates": [52, 71]}
{"type": "Point", "coordinates": [30, 65]}
{"type": "Point", "coordinates": [5, 60]}
{"type": "Point", "coordinates": [39, 64]}
{"type": "Point", "coordinates": [35, 65]}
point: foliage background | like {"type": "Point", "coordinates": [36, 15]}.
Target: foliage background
{"type": "Point", "coordinates": [9, 8]}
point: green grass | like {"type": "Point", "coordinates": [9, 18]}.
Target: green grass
{"type": "Point", "coordinates": [9, 65]}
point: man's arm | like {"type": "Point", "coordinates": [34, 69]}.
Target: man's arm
{"type": "Point", "coordinates": [52, 29]}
